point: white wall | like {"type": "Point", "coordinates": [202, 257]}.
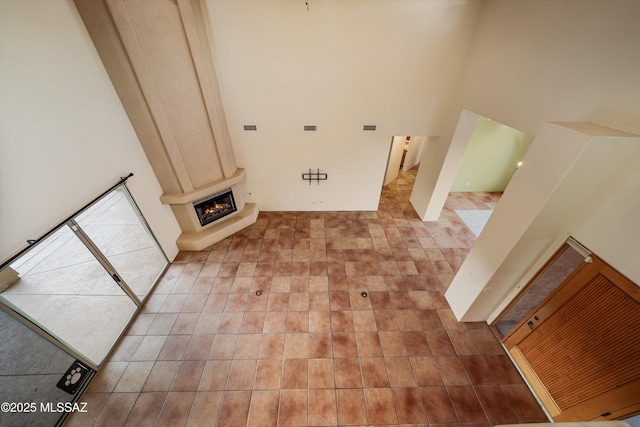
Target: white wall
{"type": "Point", "coordinates": [611, 226]}
{"type": "Point", "coordinates": [65, 137]}
{"type": "Point", "coordinates": [439, 164]}
{"type": "Point", "coordinates": [569, 169]}
{"type": "Point", "coordinates": [395, 158]}
{"type": "Point", "coordinates": [339, 65]}
{"type": "Point", "coordinates": [545, 60]}
{"type": "Point", "coordinates": [539, 61]}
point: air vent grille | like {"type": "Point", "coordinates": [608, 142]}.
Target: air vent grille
{"type": "Point", "coordinates": [250, 127]}
{"type": "Point", "coordinates": [310, 128]}
{"type": "Point", "coordinates": [369, 127]}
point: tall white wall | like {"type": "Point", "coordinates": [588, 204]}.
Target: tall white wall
{"type": "Point", "coordinates": [542, 61]}
{"type": "Point", "coordinates": [581, 164]}
{"type": "Point", "coordinates": [64, 136]}
{"type": "Point", "coordinates": [611, 227]}
{"type": "Point", "coordinates": [339, 65]}
{"type": "Point", "coordinates": [545, 60]}
{"type": "Point", "coordinates": [539, 61]}
{"type": "Point", "coordinates": [395, 158]}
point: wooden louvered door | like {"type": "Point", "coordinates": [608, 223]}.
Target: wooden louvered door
{"type": "Point", "coordinates": [580, 348]}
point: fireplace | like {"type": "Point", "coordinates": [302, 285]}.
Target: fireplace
{"type": "Point", "coordinates": [212, 213]}
{"type": "Point", "coordinates": [215, 206]}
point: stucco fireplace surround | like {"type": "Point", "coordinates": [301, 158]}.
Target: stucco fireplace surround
{"type": "Point", "coordinates": [196, 236]}
{"type": "Point", "coordinates": [159, 59]}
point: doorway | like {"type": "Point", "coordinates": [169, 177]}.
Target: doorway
{"type": "Point", "coordinates": [84, 280]}
{"type": "Point", "coordinates": [404, 155]}
{"type": "Point", "coordinates": [565, 262]}
{"type": "Point", "coordinates": [467, 165]}
{"type": "Point", "coordinates": [578, 346]}
{"type": "Point", "coordinates": [493, 154]}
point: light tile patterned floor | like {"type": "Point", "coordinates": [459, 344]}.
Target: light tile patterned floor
{"type": "Point", "coordinates": [311, 350]}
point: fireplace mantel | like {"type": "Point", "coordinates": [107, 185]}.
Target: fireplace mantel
{"type": "Point", "coordinates": [182, 198]}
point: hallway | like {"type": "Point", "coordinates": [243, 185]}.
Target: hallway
{"type": "Point", "coordinates": [315, 318]}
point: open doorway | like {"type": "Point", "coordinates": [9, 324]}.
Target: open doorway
{"type": "Point", "coordinates": [404, 155]}
{"type": "Point", "coordinates": [440, 165]}
{"type": "Point", "coordinates": [493, 153]}
{"type": "Point", "coordinates": [400, 175]}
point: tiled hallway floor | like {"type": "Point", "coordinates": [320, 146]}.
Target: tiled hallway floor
{"type": "Point", "coordinates": [310, 349]}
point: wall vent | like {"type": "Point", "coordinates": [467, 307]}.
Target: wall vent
{"type": "Point", "coordinates": [250, 127]}
{"type": "Point", "coordinates": [369, 127]}
{"type": "Point", "coordinates": [310, 128]}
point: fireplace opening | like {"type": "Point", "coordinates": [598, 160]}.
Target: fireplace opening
{"type": "Point", "coordinates": [214, 207]}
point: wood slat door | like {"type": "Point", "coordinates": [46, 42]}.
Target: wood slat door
{"type": "Point", "coordinates": [580, 349]}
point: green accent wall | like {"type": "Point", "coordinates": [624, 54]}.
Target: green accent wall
{"type": "Point", "coordinates": [491, 157]}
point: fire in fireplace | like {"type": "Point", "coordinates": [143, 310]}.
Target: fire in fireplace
{"type": "Point", "coordinates": [215, 206]}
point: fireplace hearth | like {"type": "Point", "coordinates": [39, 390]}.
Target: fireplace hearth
{"type": "Point", "coordinates": [215, 206]}
{"type": "Point", "coordinates": [212, 213]}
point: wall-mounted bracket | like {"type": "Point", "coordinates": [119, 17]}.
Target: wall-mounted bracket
{"type": "Point", "coordinates": [316, 176]}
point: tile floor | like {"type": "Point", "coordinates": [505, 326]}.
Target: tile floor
{"type": "Point", "coordinates": [311, 350]}
{"type": "Point", "coordinates": [475, 219]}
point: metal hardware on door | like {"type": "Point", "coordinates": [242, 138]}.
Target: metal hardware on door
{"type": "Point", "coordinates": [606, 414]}
{"type": "Point", "coordinates": [530, 324]}
{"type": "Point", "coordinates": [116, 278]}
{"type": "Point", "coordinates": [536, 318]}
